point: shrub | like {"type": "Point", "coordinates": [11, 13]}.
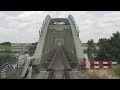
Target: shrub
{"type": "Point", "coordinates": [37, 69]}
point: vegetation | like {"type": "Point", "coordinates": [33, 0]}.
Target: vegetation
{"type": "Point", "coordinates": [5, 56]}
{"type": "Point", "coordinates": [5, 51]}
{"type": "Point", "coordinates": [109, 48]}
{"type": "Point", "coordinates": [115, 71]}
{"type": "Point", "coordinates": [6, 44]}
{"type": "Point", "coordinates": [36, 69]}
{"type": "Point", "coordinates": [91, 48]}
{"type": "Point", "coordinates": [5, 47]}
{"type": "Point", "coordinates": [32, 48]}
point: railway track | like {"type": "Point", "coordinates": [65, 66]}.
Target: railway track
{"type": "Point", "coordinates": [58, 74]}
{"type": "Point", "coordinates": [59, 66]}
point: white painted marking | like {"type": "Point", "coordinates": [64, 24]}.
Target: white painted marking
{"type": "Point", "coordinates": [114, 62]}
{"type": "Point", "coordinates": [96, 62]}
{"type": "Point", "coordinates": [87, 66]}
{"type": "Point", "coordinates": [105, 67]}
{"type": "Point", "coordinates": [96, 66]}
{"type": "Point", "coordinates": [105, 62]}
{"type": "Point", "coordinates": [14, 66]}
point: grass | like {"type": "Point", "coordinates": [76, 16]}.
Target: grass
{"type": "Point", "coordinates": [113, 73]}
{"type": "Point", "coordinates": [101, 73]}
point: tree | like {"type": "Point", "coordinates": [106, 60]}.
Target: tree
{"type": "Point", "coordinates": [5, 56]}
{"type": "Point", "coordinates": [32, 48]}
{"type": "Point", "coordinates": [109, 48]}
{"type": "Point", "coordinates": [6, 43]}
{"type": "Point", "coordinates": [91, 49]}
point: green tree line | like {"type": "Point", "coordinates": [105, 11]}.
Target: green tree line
{"type": "Point", "coordinates": [109, 49]}
{"type": "Point", "coordinates": [6, 43]}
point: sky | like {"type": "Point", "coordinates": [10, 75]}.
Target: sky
{"type": "Point", "coordinates": [24, 26]}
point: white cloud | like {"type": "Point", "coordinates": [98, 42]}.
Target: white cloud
{"type": "Point", "coordinates": [2, 14]}
{"type": "Point", "coordinates": [110, 22]}
{"type": "Point", "coordinates": [3, 30]}
{"type": "Point", "coordinates": [24, 27]}
{"type": "Point", "coordinates": [101, 27]}
{"type": "Point", "coordinates": [27, 24]}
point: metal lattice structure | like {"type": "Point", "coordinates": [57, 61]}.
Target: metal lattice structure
{"type": "Point", "coordinates": [58, 50]}
{"type": "Point", "coordinates": [58, 31]}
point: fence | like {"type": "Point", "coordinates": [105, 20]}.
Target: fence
{"type": "Point", "coordinates": [100, 64]}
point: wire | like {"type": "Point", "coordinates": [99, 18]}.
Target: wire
{"type": "Point", "coordinates": [58, 14]}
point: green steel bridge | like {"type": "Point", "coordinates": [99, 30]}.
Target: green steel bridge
{"type": "Point", "coordinates": [59, 52]}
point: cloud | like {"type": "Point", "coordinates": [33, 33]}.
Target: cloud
{"type": "Point", "coordinates": [110, 22]}
{"type": "Point", "coordinates": [3, 30]}
{"type": "Point", "coordinates": [101, 27]}
{"type": "Point", "coordinates": [25, 26]}
{"type": "Point", "coordinates": [2, 14]}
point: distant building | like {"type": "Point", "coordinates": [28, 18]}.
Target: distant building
{"type": "Point", "coordinates": [20, 47]}
{"type": "Point", "coordinates": [85, 46]}
{"type": "Point", "coordinates": [23, 47]}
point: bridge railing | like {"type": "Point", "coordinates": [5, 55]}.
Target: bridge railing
{"type": "Point", "coordinates": [27, 68]}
